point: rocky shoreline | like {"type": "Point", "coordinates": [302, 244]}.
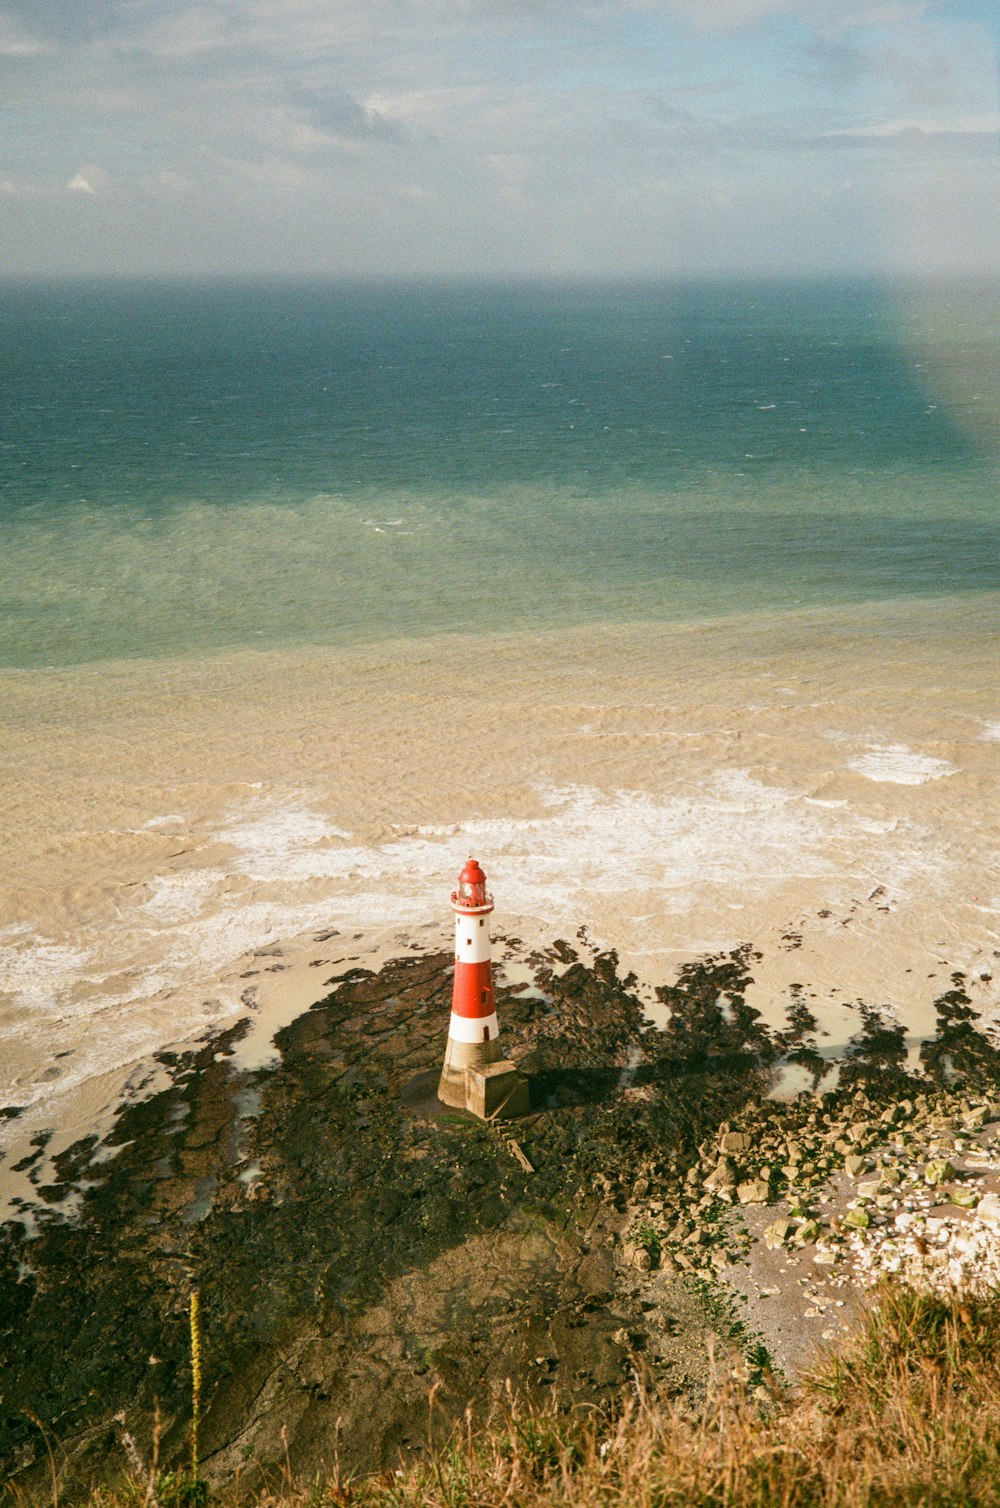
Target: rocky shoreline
{"type": "Point", "coordinates": [371, 1265]}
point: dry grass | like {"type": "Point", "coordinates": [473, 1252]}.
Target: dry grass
{"type": "Point", "coordinates": [908, 1413]}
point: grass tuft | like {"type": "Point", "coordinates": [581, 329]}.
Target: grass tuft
{"type": "Point", "coordinates": [905, 1413]}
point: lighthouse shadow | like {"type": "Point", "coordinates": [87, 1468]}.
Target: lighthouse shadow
{"type": "Point", "coordinates": [549, 1089]}
{"type": "Point", "coordinates": [553, 1087]}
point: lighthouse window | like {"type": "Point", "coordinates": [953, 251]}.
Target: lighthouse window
{"type": "Point", "coordinates": [486, 1034]}
{"type": "Point", "coordinates": [486, 996]}
{"type": "Point", "coordinates": [481, 920]}
{"type": "Point", "coordinates": [468, 942]}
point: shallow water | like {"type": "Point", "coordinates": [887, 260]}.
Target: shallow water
{"type": "Point", "coordinates": [186, 468]}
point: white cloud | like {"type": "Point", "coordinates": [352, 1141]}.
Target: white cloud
{"type": "Point", "coordinates": [730, 15]}
{"type": "Point", "coordinates": [16, 43]}
{"type": "Point", "coordinates": [415, 193]}
{"type": "Point", "coordinates": [274, 173]}
{"type": "Point", "coordinates": [887, 14]}
{"type": "Point", "coordinates": [535, 131]}
{"type": "Point", "coordinates": [424, 107]}
{"type": "Point", "coordinates": [194, 32]}
{"type": "Point", "coordinates": [91, 179]}
{"type": "Point", "coordinates": [967, 125]}
{"type": "Point", "coordinates": [169, 184]}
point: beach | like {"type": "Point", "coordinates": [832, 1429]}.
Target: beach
{"type": "Point", "coordinates": [820, 785]}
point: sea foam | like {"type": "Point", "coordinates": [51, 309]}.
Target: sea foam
{"type": "Point", "coordinates": [899, 765]}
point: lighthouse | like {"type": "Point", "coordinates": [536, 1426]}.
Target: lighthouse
{"type": "Point", "coordinates": [476, 1076]}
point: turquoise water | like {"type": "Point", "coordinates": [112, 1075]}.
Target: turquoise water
{"type": "Point", "coordinates": [190, 467]}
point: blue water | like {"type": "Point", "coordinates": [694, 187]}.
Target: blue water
{"type": "Point", "coordinates": [193, 466]}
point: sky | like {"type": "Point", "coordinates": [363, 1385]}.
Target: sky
{"type": "Point", "coordinates": [498, 138]}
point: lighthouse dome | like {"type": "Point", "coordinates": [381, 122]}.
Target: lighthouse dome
{"type": "Point", "coordinates": [472, 874]}
{"type": "Point", "coordinates": [471, 885]}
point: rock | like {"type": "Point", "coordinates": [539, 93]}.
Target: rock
{"type": "Point", "coordinates": [754, 1191]}
{"type": "Point", "coordinates": [777, 1234]}
{"type": "Point", "coordinates": [854, 1164]}
{"type": "Point", "coordinates": [988, 1209]}
{"type": "Point", "coordinates": [806, 1233]}
{"type": "Point", "coordinates": [869, 1190]}
{"type": "Point", "coordinates": [642, 1259]}
{"type": "Point", "coordinates": [859, 1131]}
{"type": "Point", "coordinates": [966, 1199]}
{"type": "Point", "coordinates": [734, 1142]}
{"type": "Point", "coordinates": [723, 1175]}
{"type": "Point", "coordinates": [938, 1171]}
{"type": "Point", "coordinates": [348, 1130]}
{"type": "Point", "coordinates": [858, 1219]}
{"type": "Point", "coordinates": [793, 1151]}
{"type": "Point", "coordinates": [640, 1188]}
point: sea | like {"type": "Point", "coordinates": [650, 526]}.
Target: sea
{"type": "Point", "coordinates": [193, 467]}
{"type": "Point", "coordinates": [675, 600]}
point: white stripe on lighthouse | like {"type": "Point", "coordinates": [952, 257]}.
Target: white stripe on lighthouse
{"type": "Point", "coordinates": [474, 1028]}
{"type": "Point", "coordinates": [472, 941]}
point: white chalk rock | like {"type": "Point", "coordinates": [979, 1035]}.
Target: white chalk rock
{"type": "Point", "coordinates": [988, 1209]}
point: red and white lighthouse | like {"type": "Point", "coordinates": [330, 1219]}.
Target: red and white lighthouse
{"type": "Point", "coordinates": [473, 1033]}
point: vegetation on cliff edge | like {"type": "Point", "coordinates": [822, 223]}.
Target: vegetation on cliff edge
{"type": "Point", "coordinates": [906, 1413]}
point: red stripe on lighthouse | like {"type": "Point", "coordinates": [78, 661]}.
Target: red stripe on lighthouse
{"type": "Point", "coordinates": [472, 991]}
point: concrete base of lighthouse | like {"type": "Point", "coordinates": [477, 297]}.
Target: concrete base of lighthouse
{"type": "Point", "coordinates": [477, 1077]}
{"type": "Point", "coordinates": [459, 1056]}
{"type": "Point", "coordinates": [497, 1092]}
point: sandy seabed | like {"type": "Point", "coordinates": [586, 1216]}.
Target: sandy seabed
{"type": "Point", "coordinates": [821, 784]}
